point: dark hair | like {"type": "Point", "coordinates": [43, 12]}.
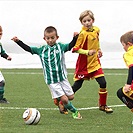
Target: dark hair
{"type": "Point", "coordinates": [50, 29]}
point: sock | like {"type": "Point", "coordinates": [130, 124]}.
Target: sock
{"type": "Point", "coordinates": [70, 107]}
{"type": "Point", "coordinates": [1, 92]}
{"type": "Point", "coordinates": [102, 97]}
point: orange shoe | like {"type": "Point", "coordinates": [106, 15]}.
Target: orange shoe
{"type": "Point", "coordinates": [106, 109]}
{"type": "Point", "coordinates": [61, 107]}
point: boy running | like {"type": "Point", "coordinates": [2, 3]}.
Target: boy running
{"type": "Point", "coordinates": [54, 68]}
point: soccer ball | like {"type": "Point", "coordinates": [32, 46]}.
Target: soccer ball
{"type": "Point", "coordinates": [31, 116]}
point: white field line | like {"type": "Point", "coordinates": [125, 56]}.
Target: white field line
{"type": "Point", "coordinates": [88, 108]}
{"type": "Point", "coordinates": [37, 73]}
{"type": "Point", "coordinates": [34, 73]}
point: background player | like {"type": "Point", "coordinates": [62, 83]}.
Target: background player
{"type": "Point", "coordinates": [2, 80]}
{"type": "Point", "coordinates": [125, 94]}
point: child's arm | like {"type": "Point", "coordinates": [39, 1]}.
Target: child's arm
{"type": "Point", "coordinates": [73, 42]}
{"type": "Point", "coordinates": [129, 80]}
{"type": "Point", "coordinates": [6, 56]}
{"type": "Point", "coordinates": [86, 52]}
{"type": "Point", "coordinates": [21, 44]}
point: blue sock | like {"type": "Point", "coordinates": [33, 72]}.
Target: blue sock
{"type": "Point", "coordinates": [70, 107]}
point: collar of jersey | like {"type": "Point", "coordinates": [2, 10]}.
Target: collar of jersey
{"type": "Point", "coordinates": [53, 45]}
{"type": "Point", "coordinates": [131, 47]}
{"type": "Point", "coordinates": [90, 30]}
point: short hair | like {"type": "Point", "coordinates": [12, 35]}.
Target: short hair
{"type": "Point", "coordinates": [86, 13]}
{"type": "Point", "coordinates": [50, 29]}
{"type": "Point", "coordinates": [127, 37]}
{"type": "Point", "coordinates": [0, 28]}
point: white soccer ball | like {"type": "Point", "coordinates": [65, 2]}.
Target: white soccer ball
{"type": "Point", "coordinates": [31, 116]}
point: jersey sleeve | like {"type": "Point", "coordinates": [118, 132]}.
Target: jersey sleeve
{"type": "Point", "coordinates": [79, 43]}
{"type": "Point", "coordinates": [64, 47]}
{"type": "Point", "coordinates": [2, 51]}
{"type": "Point", "coordinates": [128, 59]}
{"type": "Point", "coordinates": [34, 50]}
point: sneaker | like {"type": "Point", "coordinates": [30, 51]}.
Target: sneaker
{"type": "Point", "coordinates": [76, 115]}
{"type": "Point", "coordinates": [106, 109]}
{"type": "Point", "coordinates": [4, 101]}
{"type": "Point", "coordinates": [61, 107]}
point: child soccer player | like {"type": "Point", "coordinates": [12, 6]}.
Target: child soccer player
{"type": "Point", "coordinates": [125, 94]}
{"type": "Point", "coordinates": [2, 80]}
{"type": "Point", "coordinates": [53, 63]}
{"type": "Point", "coordinates": [88, 64]}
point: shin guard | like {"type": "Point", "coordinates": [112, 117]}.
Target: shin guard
{"type": "Point", "coordinates": [102, 96]}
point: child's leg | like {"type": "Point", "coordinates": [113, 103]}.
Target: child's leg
{"type": "Point", "coordinates": [1, 89]}
{"type": "Point", "coordinates": [103, 95]}
{"type": "Point", "coordinates": [2, 99]}
{"type": "Point", "coordinates": [68, 105]}
{"type": "Point", "coordinates": [2, 84]}
{"type": "Point", "coordinates": [127, 101]}
{"type": "Point", "coordinates": [77, 85]}
{"type": "Point", "coordinates": [60, 105]}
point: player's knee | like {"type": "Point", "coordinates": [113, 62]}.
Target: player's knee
{"type": "Point", "coordinates": [77, 85]}
{"type": "Point", "coordinates": [2, 83]}
{"type": "Point", "coordinates": [120, 93]}
{"type": "Point", "coordinates": [103, 84]}
{"type": "Point", "coordinates": [71, 97]}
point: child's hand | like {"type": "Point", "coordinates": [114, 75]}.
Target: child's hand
{"type": "Point", "coordinates": [127, 88]}
{"type": "Point", "coordinates": [100, 54]}
{"type": "Point", "coordinates": [75, 33]}
{"type": "Point", "coordinates": [9, 58]}
{"type": "Point", "coordinates": [91, 52]}
{"type": "Point", "coordinates": [15, 39]}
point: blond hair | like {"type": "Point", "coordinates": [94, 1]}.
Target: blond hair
{"type": "Point", "coordinates": [127, 37]}
{"type": "Point", "coordinates": [86, 13]}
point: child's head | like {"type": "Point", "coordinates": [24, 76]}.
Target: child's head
{"type": "Point", "coordinates": [127, 40]}
{"type": "Point", "coordinates": [50, 35]}
{"type": "Point", "coordinates": [87, 18]}
{"type": "Point", "coordinates": [1, 32]}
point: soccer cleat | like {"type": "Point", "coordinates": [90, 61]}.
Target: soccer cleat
{"type": "Point", "coordinates": [106, 109]}
{"type": "Point", "coordinates": [61, 107]}
{"type": "Point", "coordinates": [4, 100]}
{"type": "Point", "coordinates": [76, 115]}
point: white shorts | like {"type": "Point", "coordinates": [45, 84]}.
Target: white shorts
{"type": "Point", "coordinates": [61, 88]}
{"type": "Point", "coordinates": [1, 77]}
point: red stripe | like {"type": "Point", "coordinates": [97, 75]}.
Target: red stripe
{"type": "Point", "coordinates": [75, 49]}
{"type": "Point", "coordinates": [81, 65]}
{"type": "Point", "coordinates": [131, 65]}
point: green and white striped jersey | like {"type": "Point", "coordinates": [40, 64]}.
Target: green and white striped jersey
{"type": "Point", "coordinates": [53, 61]}
{"type": "Point", "coordinates": [2, 51]}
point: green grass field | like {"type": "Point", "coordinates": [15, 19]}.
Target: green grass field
{"type": "Point", "coordinates": [26, 88]}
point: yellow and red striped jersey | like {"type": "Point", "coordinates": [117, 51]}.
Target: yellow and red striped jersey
{"type": "Point", "coordinates": [128, 57]}
{"type": "Point", "coordinates": [87, 40]}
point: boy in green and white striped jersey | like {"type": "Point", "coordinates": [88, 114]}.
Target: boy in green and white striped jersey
{"type": "Point", "coordinates": [54, 68]}
{"type": "Point", "coordinates": [2, 80]}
